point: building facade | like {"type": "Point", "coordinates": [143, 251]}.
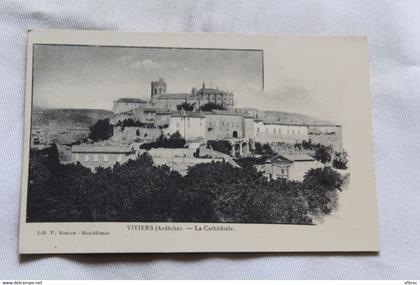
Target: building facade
{"type": "Point", "coordinates": [269, 132]}
{"type": "Point", "coordinates": [162, 99]}
{"type": "Point", "coordinates": [191, 125]}
{"type": "Point", "coordinates": [93, 156]}
{"type": "Point", "coordinates": [223, 125]}
{"type": "Point", "coordinates": [291, 167]}
{"type": "Point", "coordinates": [126, 104]}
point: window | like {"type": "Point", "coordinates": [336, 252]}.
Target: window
{"type": "Point", "coordinates": [189, 124]}
{"type": "Point", "coordinates": [258, 130]}
{"type": "Point", "coordinates": [274, 131]}
{"type": "Point", "coordinates": [76, 157]}
{"type": "Point", "coordinates": [177, 124]}
{"type": "Point", "coordinates": [266, 130]}
{"type": "Point", "coordinates": [95, 157]}
{"type": "Point", "coordinates": [105, 158]}
{"type": "Point", "coordinates": [87, 157]}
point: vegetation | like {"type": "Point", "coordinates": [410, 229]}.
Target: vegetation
{"type": "Point", "coordinates": [174, 141]}
{"type": "Point", "coordinates": [220, 145]}
{"type": "Point", "coordinates": [101, 130]}
{"type": "Point", "coordinates": [137, 191]}
{"type": "Point", "coordinates": [185, 106]}
{"type": "Point", "coordinates": [325, 154]}
{"type": "Point", "coordinates": [211, 106]}
{"type": "Point", "coordinates": [264, 149]}
{"type": "Point", "coordinates": [340, 160]}
{"type": "Point", "coordinates": [129, 122]}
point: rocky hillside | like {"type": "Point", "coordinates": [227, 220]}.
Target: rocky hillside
{"type": "Point", "coordinates": [291, 118]}
{"type": "Point", "coordinates": [73, 117]}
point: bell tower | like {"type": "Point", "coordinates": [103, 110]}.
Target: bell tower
{"type": "Point", "coordinates": [157, 88]}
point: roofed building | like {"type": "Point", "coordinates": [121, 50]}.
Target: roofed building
{"type": "Point", "coordinates": [126, 104]}
{"type": "Point", "coordinates": [96, 155]}
{"type": "Point", "coordinates": [288, 166]}
{"type": "Point", "coordinates": [170, 101]}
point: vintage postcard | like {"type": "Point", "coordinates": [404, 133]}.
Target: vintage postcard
{"type": "Point", "coordinates": [197, 143]}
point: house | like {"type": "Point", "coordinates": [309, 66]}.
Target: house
{"type": "Point", "coordinates": [191, 125]}
{"type": "Point", "coordinates": [98, 155]}
{"type": "Point", "coordinates": [126, 104]}
{"type": "Point", "coordinates": [273, 131]}
{"type": "Point", "coordinates": [288, 166]}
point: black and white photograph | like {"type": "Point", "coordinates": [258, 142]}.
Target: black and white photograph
{"type": "Point", "coordinates": [140, 142]}
{"type": "Point", "coordinates": [158, 134]}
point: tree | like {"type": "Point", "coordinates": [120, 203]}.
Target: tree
{"type": "Point", "coordinates": [139, 191]}
{"type": "Point", "coordinates": [101, 130]}
{"type": "Point", "coordinates": [340, 160]}
{"type": "Point", "coordinates": [323, 153]}
{"type": "Point", "coordinates": [326, 178]}
{"type": "Point", "coordinates": [220, 145]}
{"type": "Point", "coordinates": [264, 149]}
{"type": "Point", "coordinates": [174, 141]}
{"type": "Point", "coordinates": [185, 106]}
{"type": "Point", "coordinates": [211, 106]}
{"type": "Point", "coordinates": [320, 187]}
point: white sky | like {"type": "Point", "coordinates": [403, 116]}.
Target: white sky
{"type": "Point", "coordinates": [93, 77]}
{"type": "Point", "coordinates": [302, 75]}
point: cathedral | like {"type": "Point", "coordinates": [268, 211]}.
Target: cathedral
{"type": "Point", "coordinates": [160, 98]}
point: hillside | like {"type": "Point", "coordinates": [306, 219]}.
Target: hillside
{"type": "Point", "coordinates": [291, 118]}
{"type": "Point", "coordinates": [74, 117]}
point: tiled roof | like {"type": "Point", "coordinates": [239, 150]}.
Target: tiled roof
{"type": "Point", "coordinates": [296, 157]}
{"type": "Point", "coordinates": [174, 96]}
{"type": "Point", "coordinates": [187, 114]}
{"type": "Point", "coordinates": [130, 100]}
{"type": "Point", "coordinates": [211, 90]}
{"type": "Point", "coordinates": [92, 148]}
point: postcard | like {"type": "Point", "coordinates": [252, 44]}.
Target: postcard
{"type": "Point", "coordinates": [143, 142]}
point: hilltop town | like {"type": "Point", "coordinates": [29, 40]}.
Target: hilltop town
{"type": "Point", "coordinates": [181, 130]}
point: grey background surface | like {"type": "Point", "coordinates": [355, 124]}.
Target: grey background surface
{"type": "Point", "coordinates": [394, 45]}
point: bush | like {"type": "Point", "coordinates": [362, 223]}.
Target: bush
{"type": "Point", "coordinates": [340, 160]}
{"type": "Point", "coordinates": [138, 191]}
{"type": "Point", "coordinates": [211, 106]}
{"type": "Point", "coordinates": [220, 145]}
{"type": "Point", "coordinates": [174, 141]}
{"type": "Point", "coordinates": [185, 106]}
{"type": "Point", "coordinates": [129, 122]}
{"type": "Point", "coordinates": [101, 130]}
{"type": "Point", "coordinates": [264, 149]}
{"type": "Point", "coordinates": [323, 154]}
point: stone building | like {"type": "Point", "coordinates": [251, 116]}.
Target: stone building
{"type": "Point", "coordinates": [269, 132]}
{"type": "Point", "coordinates": [326, 135]}
{"type": "Point", "coordinates": [191, 125]}
{"type": "Point", "coordinates": [161, 99]}
{"type": "Point", "coordinates": [291, 167]}
{"type": "Point", "coordinates": [93, 156]}
{"type": "Point", "coordinates": [212, 95]}
{"type": "Point", "coordinates": [126, 104]}
{"type": "Point", "coordinates": [224, 125]}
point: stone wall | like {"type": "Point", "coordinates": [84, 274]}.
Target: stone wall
{"type": "Point", "coordinates": [128, 135]}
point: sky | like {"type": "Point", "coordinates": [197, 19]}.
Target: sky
{"type": "Point", "coordinates": [304, 75]}
{"type": "Point", "coordinates": [94, 76]}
